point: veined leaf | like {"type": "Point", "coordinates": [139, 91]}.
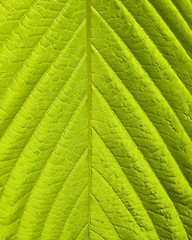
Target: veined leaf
{"type": "Point", "coordinates": [96, 119]}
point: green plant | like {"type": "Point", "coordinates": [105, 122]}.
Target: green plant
{"type": "Point", "coordinates": [96, 119]}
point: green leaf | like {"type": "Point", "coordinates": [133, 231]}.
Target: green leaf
{"type": "Point", "coordinates": [95, 119]}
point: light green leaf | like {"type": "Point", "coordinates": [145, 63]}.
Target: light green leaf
{"type": "Point", "coordinates": [95, 119]}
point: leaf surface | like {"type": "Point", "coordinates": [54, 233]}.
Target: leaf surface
{"type": "Point", "coordinates": [95, 119]}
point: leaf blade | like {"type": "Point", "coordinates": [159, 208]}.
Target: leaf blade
{"type": "Point", "coordinates": [96, 120]}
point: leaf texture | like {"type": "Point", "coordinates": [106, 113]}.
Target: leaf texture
{"type": "Point", "coordinates": [95, 119]}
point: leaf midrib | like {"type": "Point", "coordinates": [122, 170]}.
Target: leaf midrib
{"type": "Point", "coordinates": [89, 101]}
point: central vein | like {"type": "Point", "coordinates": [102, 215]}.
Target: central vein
{"type": "Point", "coordinates": [89, 99]}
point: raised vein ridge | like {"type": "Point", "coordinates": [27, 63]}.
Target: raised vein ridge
{"type": "Point", "coordinates": [89, 96]}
